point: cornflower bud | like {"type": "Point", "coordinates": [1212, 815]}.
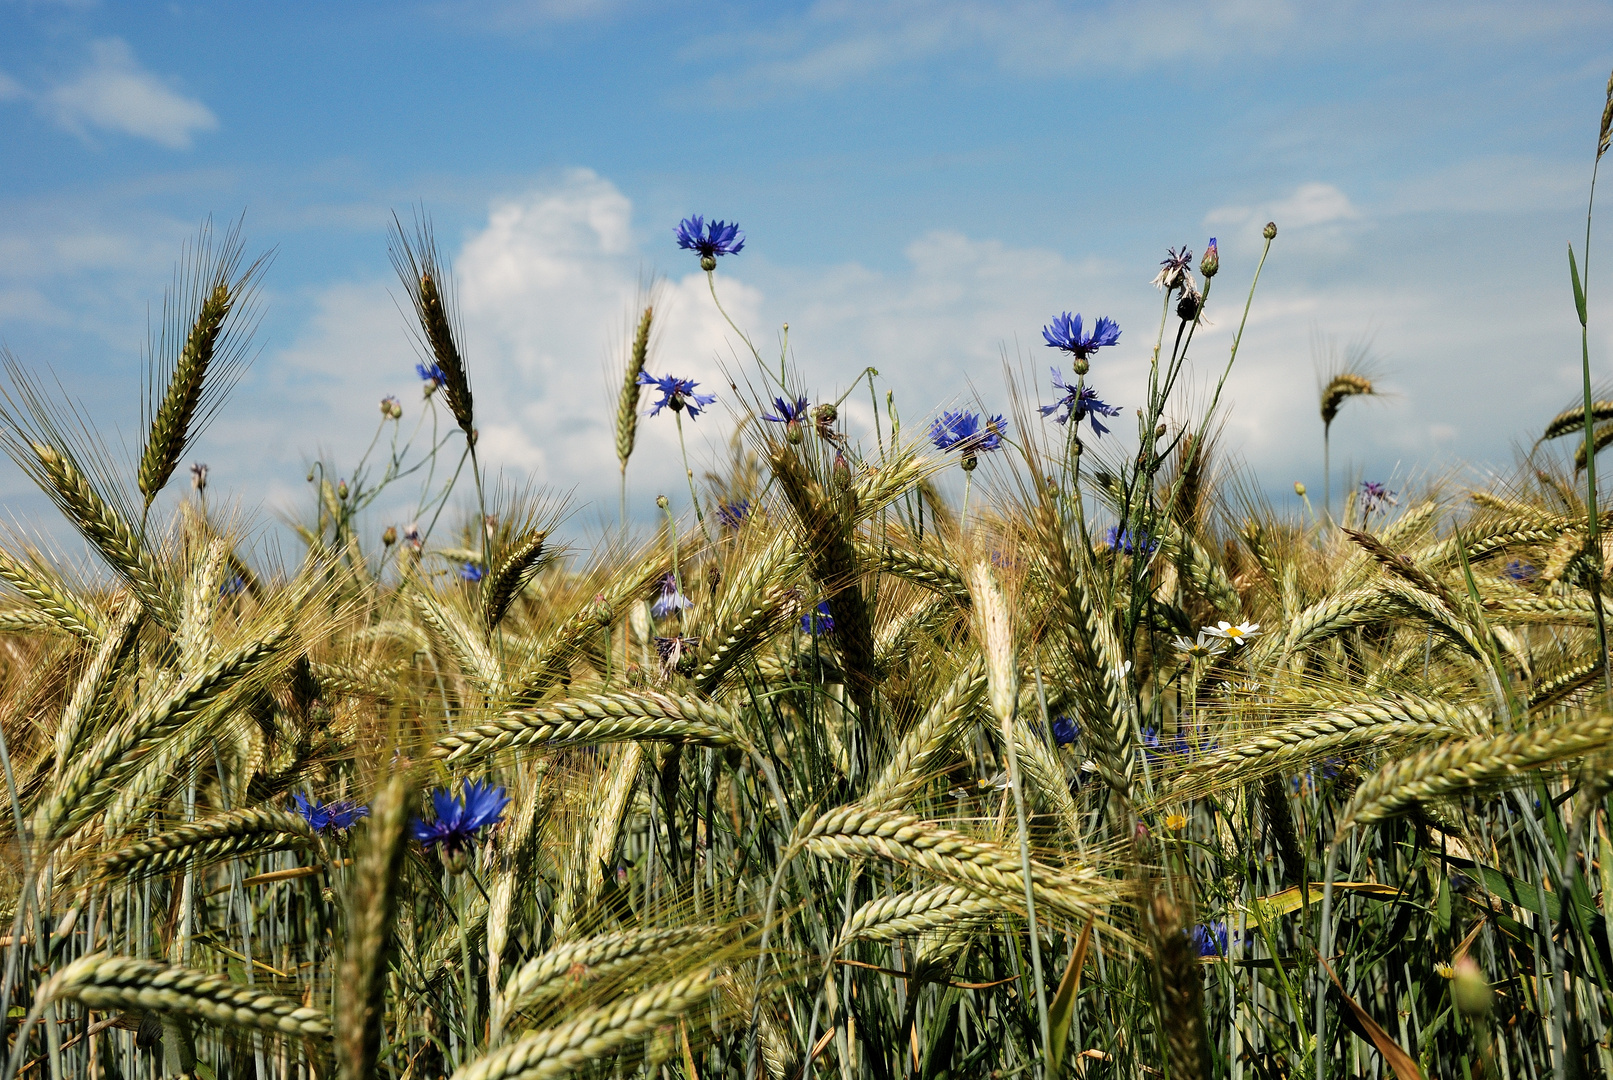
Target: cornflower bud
{"type": "Point", "coordinates": [1211, 261]}
{"type": "Point", "coordinates": [842, 472]}
{"type": "Point", "coordinates": [794, 432]}
{"type": "Point", "coordinates": [825, 416]}
{"type": "Point", "coordinates": [1270, 231]}
{"type": "Point", "coordinates": [708, 263]}
{"type": "Point", "coordinates": [1299, 489]}
{"type": "Point", "coordinates": [662, 501]}
{"type": "Point", "coordinates": [1469, 988]}
{"type": "Point", "coordinates": [1082, 365]}
{"type": "Point", "coordinates": [1159, 432]}
{"type": "Point", "coordinates": [391, 408]}
{"type": "Point", "coordinates": [390, 537]}
{"type": "Point", "coordinates": [341, 489]}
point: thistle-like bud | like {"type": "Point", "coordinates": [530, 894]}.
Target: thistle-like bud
{"type": "Point", "coordinates": [1159, 432]}
{"type": "Point", "coordinates": [390, 537]}
{"type": "Point", "coordinates": [391, 408]}
{"type": "Point", "coordinates": [341, 489]}
{"type": "Point", "coordinates": [1469, 988]}
{"type": "Point", "coordinates": [842, 472]}
{"type": "Point", "coordinates": [1211, 261]}
{"type": "Point", "coordinates": [662, 501]}
{"type": "Point", "coordinates": [794, 432]}
{"type": "Point", "coordinates": [708, 263]}
{"type": "Point", "coordinates": [1299, 489]}
{"type": "Point", "coordinates": [1082, 365]}
{"type": "Point", "coordinates": [970, 461]}
{"type": "Point", "coordinates": [1270, 231]}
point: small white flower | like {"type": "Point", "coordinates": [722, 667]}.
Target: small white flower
{"type": "Point", "coordinates": [1208, 644]}
{"type": "Point", "coordinates": [1237, 634]}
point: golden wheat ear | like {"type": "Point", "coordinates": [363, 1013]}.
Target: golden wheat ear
{"type": "Point", "coordinates": [208, 319]}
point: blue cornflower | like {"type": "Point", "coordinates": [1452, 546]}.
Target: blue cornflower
{"type": "Point", "coordinates": [733, 514]}
{"type": "Point", "coordinates": [234, 585]}
{"type": "Point", "coordinates": [471, 572]}
{"type": "Point", "coordinates": [670, 600]}
{"type": "Point", "coordinates": [460, 817]}
{"type": "Point", "coordinates": [962, 431]}
{"type": "Point", "coordinates": [432, 375]}
{"type": "Point", "coordinates": [1211, 938]}
{"type": "Point", "coordinates": [1156, 748]}
{"type": "Point", "coordinates": [677, 393]}
{"type": "Point", "coordinates": [327, 817]}
{"type": "Point", "coordinates": [1518, 570]}
{"type": "Point", "coordinates": [1374, 495]}
{"type": "Point", "coordinates": [1079, 403]}
{"type": "Point", "coordinates": [1119, 537]}
{"type": "Point", "coordinates": [788, 413]}
{"type": "Point", "coordinates": [709, 238]}
{"type": "Point", "coordinates": [1065, 333]}
{"type": "Point", "coordinates": [818, 620]}
{"type": "Point", "coordinates": [1065, 730]}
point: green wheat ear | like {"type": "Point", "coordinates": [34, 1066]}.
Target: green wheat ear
{"type": "Point", "coordinates": [171, 425]}
{"type": "Point", "coordinates": [627, 401]}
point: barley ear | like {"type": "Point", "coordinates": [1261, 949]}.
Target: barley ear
{"type": "Point", "coordinates": [1604, 138]}
{"type": "Point", "coordinates": [171, 425]}
{"type": "Point", "coordinates": [361, 991]}
{"type": "Point", "coordinates": [1181, 993]}
{"type": "Point", "coordinates": [417, 264]}
{"type": "Point", "coordinates": [627, 402]}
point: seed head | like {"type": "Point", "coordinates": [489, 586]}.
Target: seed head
{"type": "Point", "coordinates": [390, 537]}
{"type": "Point", "coordinates": [1270, 231]}
{"type": "Point", "coordinates": [1299, 489]}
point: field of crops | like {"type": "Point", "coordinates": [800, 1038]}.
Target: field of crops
{"type": "Point", "coordinates": [1106, 769]}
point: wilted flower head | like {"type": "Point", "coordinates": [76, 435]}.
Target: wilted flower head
{"type": "Point", "coordinates": [327, 817]}
{"type": "Point", "coordinates": [818, 620]}
{"type": "Point", "coordinates": [471, 572]}
{"type": "Point", "coordinates": [670, 600]}
{"type": "Point", "coordinates": [677, 393]}
{"type": "Point", "coordinates": [709, 239]}
{"type": "Point", "coordinates": [432, 375]}
{"type": "Point", "coordinates": [1175, 269]}
{"type": "Point", "coordinates": [956, 430]}
{"type": "Point", "coordinates": [459, 818]}
{"type": "Point", "coordinates": [1375, 495]}
{"type": "Point", "coordinates": [1065, 333]}
{"type": "Point", "coordinates": [1119, 537]}
{"type": "Point", "coordinates": [671, 651]}
{"type": "Point", "coordinates": [411, 536]}
{"type": "Point", "coordinates": [198, 476]}
{"type": "Point", "coordinates": [1065, 730]}
{"type": "Point", "coordinates": [1079, 403]}
{"type": "Point", "coordinates": [1210, 939]}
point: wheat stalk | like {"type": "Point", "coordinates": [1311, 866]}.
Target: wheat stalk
{"type": "Point", "coordinates": [361, 992]}
{"type": "Point", "coordinates": [627, 400]}
{"type": "Point", "coordinates": [599, 718]}
{"type": "Point", "coordinates": [561, 970]}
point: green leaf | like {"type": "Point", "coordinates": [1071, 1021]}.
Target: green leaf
{"type": "Point", "coordinates": [1579, 290]}
{"type": "Point", "coordinates": [1063, 1009]}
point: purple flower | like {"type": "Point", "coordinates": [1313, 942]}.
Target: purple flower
{"type": "Point", "coordinates": [1079, 403]}
{"type": "Point", "coordinates": [677, 393]}
{"type": "Point", "coordinates": [787, 413]}
{"type": "Point", "coordinates": [1119, 537]}
{"type": "Point", "coordinates": [1065, 730]}
{"type": "Point", "coordinates": [1175, 269]}
{"type": "Point", "coordinates": [709, 238]}
{"type": "Point", "coordinates": [1375, 495]}
{"type": "Point", "coordinates": [1518, 570]}
{"type": "Point", "coordinates": [460, 818]}
{"type": "Point", "coordinates": [430, 374]}
{"type": "Point", "coordinates": [733, 514]}
{"type": "Point", "coordinates": [233, 586]}
{"type": "Point", "coordinates": [670, 600]}
{"type": "Point", "coordinates": [1210, 939]}
{"type": "Point", "coordinates": [818, 620]}
{"type": "Point", "coordinates": [471, 572]}
{"type": "Point", "coordinates": [328, 817]}
{"type": "Point", "coordinates": [1065, 333]}
{"type": "Point", "coordinates": [962, 431]}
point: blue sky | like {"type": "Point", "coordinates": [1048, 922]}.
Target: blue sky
{"type": "Point", "coordinates": [924, 185]}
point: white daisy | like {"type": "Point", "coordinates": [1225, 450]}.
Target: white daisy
{"type": "Point", "coordinates": [1206, 646]}
{"type": "Point", "coordinates": [1236, 634]}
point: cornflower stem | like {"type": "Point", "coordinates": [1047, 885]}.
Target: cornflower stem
{"type": "Point", "coordinates": [1592, 540]}
{"type": "Point", "coordinates": [1030, 892]}
{"type": "Point", "coordinates": [963, 517]}
{"type": "Point", "coordinates": [482, 525]}
{"type": "Point", "coordinates": [873, 401]}
{"type": "Point", "coordinates": [672, 534]}
{"type": "Point", "coordinates": [445, 492]}
{"type": "Point", "coordinates": [694, 497]}
{"type": "Point", "coordinates": [711, 282]}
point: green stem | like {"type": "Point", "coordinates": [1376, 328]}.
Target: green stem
{"type": "Point", "coordinates": [1592, 540]}
{"type": "Point", "coordinates": [694, 497]}
{"type": "Point", "coordinates": [1030, 892]}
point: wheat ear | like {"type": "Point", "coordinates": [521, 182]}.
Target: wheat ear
{"type": "Point", "coordinates": [932, 741]}
{"type": "Point", "coordinates": [103, 981]}
{"type": "Point", "coordinates": [417, 265]}
{"type": "Point", "coordinates": [171, 424]}
{"type": "Point", "coordinates": [1571, 420]}
{"type": "Point", "coordinates": [592, 1036]}
{"type": "Point", "coordinates": [627, 400]}
{"type": "Point", "coordinates": [891, 917]}
{"type": "Point", "coordinates": [93, 781]}
{"type": "Point", "coordinates": [924, 568]}
{"type": "Point", "coordinates": [52, 597]}
{"type": "Point", "coordinates": [556, 972]}
{"type": "Point", "coordinates": [515, 568]}
{"type": "Point", "coordinates": [361, 993]}
{"type": "Point", "coordinates": [235, 833]}
{"type": "Point", "coordinates": [1181, 994]}
{"type": "Point", "coordinates": [106, 529]}
{"type": "Point", "coordinates": [599, 718]}
{"type": "Point", "coordinates": [1472, 763]}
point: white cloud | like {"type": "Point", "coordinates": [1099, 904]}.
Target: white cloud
{"type": "Point", "coordinates": [10, 89]}
{"type": "Point", "coordinates": [1310, 204]}
{"type": "Point", "coordinates": [114, 93]}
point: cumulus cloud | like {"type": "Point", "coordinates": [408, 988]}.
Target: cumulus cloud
{"type": "Point", "coordinates": [115, 93]}
{"type": "Point", "coordinates": [1309, 205]}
